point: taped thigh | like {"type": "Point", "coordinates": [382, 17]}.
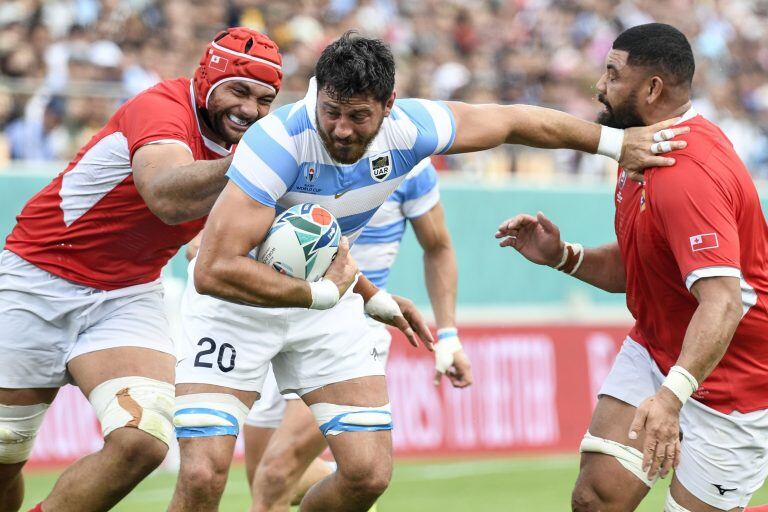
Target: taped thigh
{"type": "Point", "coordinates": [627, 456]}
{"type": "Point", "coordinates": [334, 419]}
{"type": "Point", "coordinates": [137, 402]}
{"type": "Point", "coordinates": [18, 428]}
{"type": "Point", "coordinates": [209, 414]}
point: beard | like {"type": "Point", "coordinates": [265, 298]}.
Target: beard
{"type": "Point", "coordinates": [352, 151]}
{"type": "Point", "coordinates": [217, 124]}
{"type": "Point", "coordinates": [620, 116]}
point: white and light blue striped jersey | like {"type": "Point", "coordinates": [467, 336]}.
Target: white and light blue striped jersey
{"type": "Point", "coordinates": [376, 248]}
{"type": "Point", "coordinates": [281, 160]}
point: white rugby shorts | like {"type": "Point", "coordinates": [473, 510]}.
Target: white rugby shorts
{"type": "Point", "coordinates": [231, 345]}
{"type": "Point", "coordinates": [269, 409]}
{"type": "Point", "coordinates": [724, 457]}
{"type": "Point", "coordinates": [48, 321]}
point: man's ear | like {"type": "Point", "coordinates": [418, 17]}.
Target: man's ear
{"type": "Point", "coordinates": [390, 103]}
{"type": "Point", "coordinates": [655, 87]}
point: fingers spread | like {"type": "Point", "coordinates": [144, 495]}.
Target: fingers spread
{"type": "Point", "coordinates": [658, 161]}
{"type": "Point", "coordinates": [661, 147]}
{"type": "Point", "coordinates": [665, 134]}
{"type": "Point", "coordinates": [677, 144]}
{"type": "Point", "coordinates": [680, 130]}
{"type": "Point", "coordinates": [516, 222]}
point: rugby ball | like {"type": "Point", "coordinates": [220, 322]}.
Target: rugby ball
{"type": "Point", "coordinates": [302, 242]}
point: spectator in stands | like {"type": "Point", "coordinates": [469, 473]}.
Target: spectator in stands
{"type": "Point", "coordinates": [527, 51]}
{"type": "Point", "coordinates": [39, 134]}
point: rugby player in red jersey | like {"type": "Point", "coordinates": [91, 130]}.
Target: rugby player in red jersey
{"type": "Point", "coordinates": [80, 296]}
{"type": "Point", "coordinates": [689, 388]}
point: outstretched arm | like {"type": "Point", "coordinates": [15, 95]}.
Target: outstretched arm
{"type": "Point", "coordinates": [538, 240]}
{"type": "Point", "coordinates": [480, 127]}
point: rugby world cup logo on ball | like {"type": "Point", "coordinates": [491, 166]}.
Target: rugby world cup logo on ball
{"type": "Point", "coordinates": [302, 242]}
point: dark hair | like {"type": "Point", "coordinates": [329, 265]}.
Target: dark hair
{"type": "Point", "coordinates": [356, 65]}
{"type": "Point", "coordinates": [659, 46]}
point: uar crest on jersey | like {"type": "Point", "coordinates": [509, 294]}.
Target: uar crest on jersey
{"type": "Point", "coordinates": [381, 166]}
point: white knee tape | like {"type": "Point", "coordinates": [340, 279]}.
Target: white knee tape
{"type": "Point", "coordinates": [672, 506]}
{"type": "Point", "coordinates": [627, 456]}
{"type": "Point", "coordinates": [18, 427]}
{"type": "Point", "coordinates": [209, 414]}
{"type": "Point", "coordinates": [138, 402]}
{"type": "Point", "coordinates": [334, 419]}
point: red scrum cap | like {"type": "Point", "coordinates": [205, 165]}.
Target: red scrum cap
{"type": "Point", "coordinates": [237, 54]}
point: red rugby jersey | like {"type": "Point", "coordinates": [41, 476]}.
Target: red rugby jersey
{"type": "Point", "coordinates": [90, 225]}
{"type": "Point", "coordinates": [699, 218]}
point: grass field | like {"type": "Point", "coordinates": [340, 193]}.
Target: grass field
{"type": "Point", "coordinates": [508, 485]}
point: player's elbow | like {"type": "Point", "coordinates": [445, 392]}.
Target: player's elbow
{"type": "Point", "coordinates": [207, 278]}
{"type": "Point", "coordinates": [167, 211]}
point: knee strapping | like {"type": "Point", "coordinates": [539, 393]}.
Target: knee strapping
{"type": "Point", "coordinates": [18, 428]}
{"type": "Point", "coordinates": [209, 414]}
{"type": "Point", "coordinates": [334, 419]}
{"type": "Point", "coordinates": [137, 402]}
{"type": "Point", "coordinates": [627, 456]}
{"type": "Point", "coordinates": [671, 505]}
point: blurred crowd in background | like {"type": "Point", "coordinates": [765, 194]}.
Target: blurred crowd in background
{"type": "Point", "coordinates": [65, 65]}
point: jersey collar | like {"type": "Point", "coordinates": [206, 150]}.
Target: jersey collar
{"type": "Point", "coordinates": [689, 114]}
{"type": "Point", "coordinates": [213, 146]}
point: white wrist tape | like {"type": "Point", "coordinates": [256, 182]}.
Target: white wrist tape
{"type": "Point", "coordinates": [382, 306]}
{"type": "Point", "coordinates": [580, 249]}
{"type": "Point", "coordinates": [611, 141]}
{"type": "Point", "coordinates": [681, 383]}
{"type": "Point", "coordinates": [447, 344]}
{"type": "Point", "coordinates": [577, 250]}
{"type": "Point", "coordinates": [564, 257]}
{"type": "Point", "coordinates": [325, 294]}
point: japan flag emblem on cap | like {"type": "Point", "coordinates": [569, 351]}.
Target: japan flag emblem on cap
{"type": "Point", "coordinates": [218, 63]}
{"type": "Point", "coordinates": [704, 241]}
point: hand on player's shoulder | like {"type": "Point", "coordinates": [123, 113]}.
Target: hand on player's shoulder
{"type": "Point", "coordinates": [644, 146]}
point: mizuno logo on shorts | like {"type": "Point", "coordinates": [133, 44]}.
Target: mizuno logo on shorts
{"type": "Point", "coordinates": [722, 490]}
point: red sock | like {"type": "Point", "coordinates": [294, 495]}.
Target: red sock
{"type": "Point", "coordinates": [37, 508]}
{"type": "Point", "coordinates": [761, 508]}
